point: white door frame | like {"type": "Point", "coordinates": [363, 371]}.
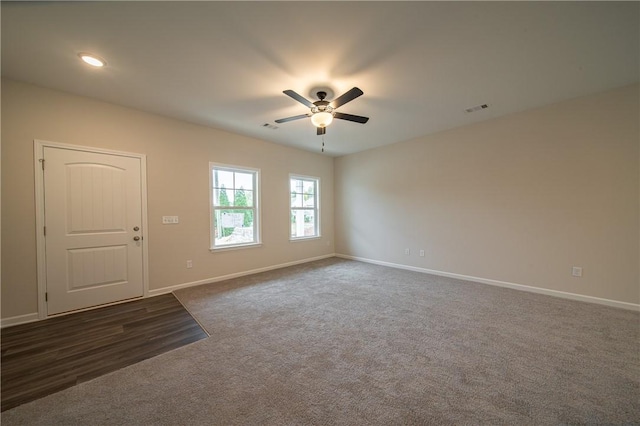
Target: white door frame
{"type": "Point", "coordinates": [38, 150]}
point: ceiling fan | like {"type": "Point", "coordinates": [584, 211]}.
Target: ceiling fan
{"type": "Point", "coordinates": [323, 112]}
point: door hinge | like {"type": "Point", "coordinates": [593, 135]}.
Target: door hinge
{"type": "Point", "coordinates": [42, 162]}
{"type": "Point", "coordinates": [45, 231]}
{"type": "Point", "coordinates": [46, 297]}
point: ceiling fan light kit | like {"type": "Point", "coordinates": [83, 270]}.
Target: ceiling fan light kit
{"type": "Point", "coordinates": [322, 118]}
{"type": "Point", "coordinates": [323, 112]}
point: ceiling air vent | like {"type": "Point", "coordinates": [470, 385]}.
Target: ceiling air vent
{"type": "Point", "coordinates": [477, 108]}
{"type": "Point", "coordinates": [269, 126]}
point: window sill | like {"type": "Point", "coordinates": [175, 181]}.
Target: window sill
{"type": "Point", "coordinates": [235, 247]}
{"type": "Point", "coordinates": [295, 240]}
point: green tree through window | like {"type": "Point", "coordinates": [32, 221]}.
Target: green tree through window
{"type": "Point", "coordinates": [224, 202]}
{"type": "Point", "coordinates": [241, 201]}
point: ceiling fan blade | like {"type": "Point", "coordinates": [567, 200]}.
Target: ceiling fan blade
{"type": "Point", "coordinates": [299, 98]}
{"type": "Point", "coordinates": [347, 97]}
{"type": "Point", "coordinates": [349, 117]}
{"type": "Point", "coordinates": [321, 131]}
{"type": "Point", "coordinates": [295, 117]}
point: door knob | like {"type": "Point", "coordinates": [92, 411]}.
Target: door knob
{"type": "Point", "coordinates": [136, 238]}
{"type": "Point", "coordinates": [136, 228]}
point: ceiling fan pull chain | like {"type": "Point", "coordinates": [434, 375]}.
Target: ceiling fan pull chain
{"type": "Point", "coordinates": [322, 143]}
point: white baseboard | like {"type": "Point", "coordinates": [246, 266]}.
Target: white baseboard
{"type": "Point", "coordinates": [23, 319]}
{"type": "Point", "coordinates": [19, 319]}
{"type": "Point", "coordinates": [156, 292]}
{"type": "Point", "coordinates": [521, 287]}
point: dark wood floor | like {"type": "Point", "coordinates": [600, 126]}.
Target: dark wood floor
{"type": "Point", "coordinates": [44, 357]}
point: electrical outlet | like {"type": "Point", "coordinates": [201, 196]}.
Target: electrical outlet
{"type": "Point", "coordinates": [576, 271]}
{"type": "Point", "coordinates": [407, 251]}
{"type": "Point", "coordinates": [421, 253]}
{"type": "Point", "coordinates": [189, 264]}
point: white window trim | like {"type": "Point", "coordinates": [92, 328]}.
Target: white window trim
{"type": "Point", "coordinates": [257, 216]}
{"type": "Point", "coordinates": [317, 208]}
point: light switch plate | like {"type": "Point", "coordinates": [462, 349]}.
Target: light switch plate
{"type": "Point", "coordinates": [169, 220]}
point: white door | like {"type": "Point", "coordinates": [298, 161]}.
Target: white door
{"type": "Point", "coordinates": [93, 228]}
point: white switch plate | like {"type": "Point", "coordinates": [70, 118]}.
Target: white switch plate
{"type": "Point", "coordinates": [169, 220]}
{"type": "Point", "coordinates": [576, 271]}
{"type": "Point", "coordinates": [421, 253]}
{"type": "Point", "coordinates": [407, 251]}
{"type": "Point", "coordinates": [189, 264]}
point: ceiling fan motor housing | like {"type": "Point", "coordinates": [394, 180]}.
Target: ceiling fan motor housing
{"type": "Point", "coordinates": [321, 106]}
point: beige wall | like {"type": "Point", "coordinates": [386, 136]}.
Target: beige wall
{"type": "Point", "coordinates": [519, 199]}
{"type": "Point", "coordinates": [178, 156]}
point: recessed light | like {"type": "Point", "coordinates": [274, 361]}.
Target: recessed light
{"type": "Point", "coordinates": [93, 60]}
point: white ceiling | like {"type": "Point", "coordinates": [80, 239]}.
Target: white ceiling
{"type": "Point", "coordinates": [420, 64]}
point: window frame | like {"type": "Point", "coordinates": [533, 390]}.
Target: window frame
{"type": "Point", "coordinates": [315, 209]}
{"type": "Point", "coordinates": [257, 229]}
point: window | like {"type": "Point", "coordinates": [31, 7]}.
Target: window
{"type": "Point", "coordinates": [305, 218]}
{"type": "Point", "coordinates": [234, 206]}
